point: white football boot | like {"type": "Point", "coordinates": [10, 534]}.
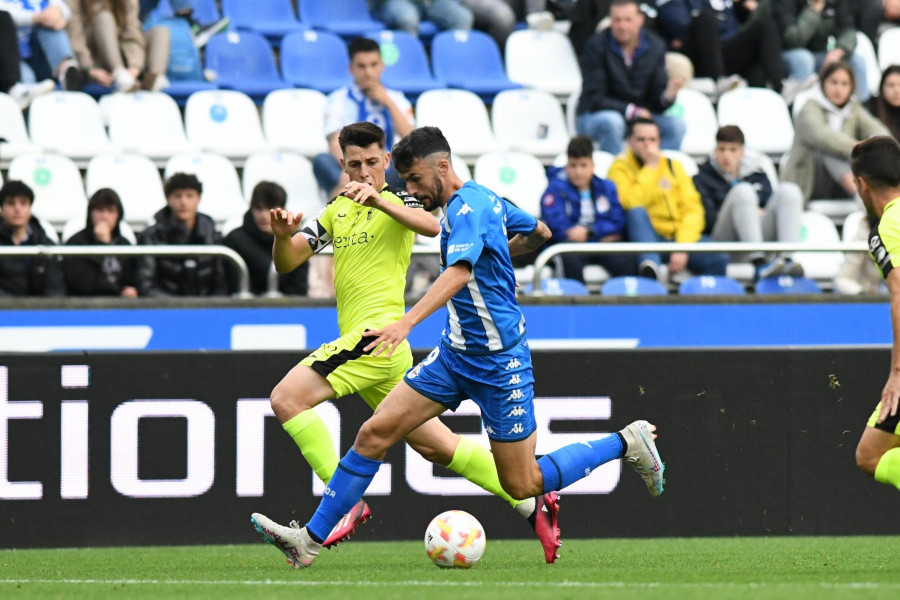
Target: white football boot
{"type": "Point", "coordinates": [294, 542]}
{"type": "Point", "coordinates": [643, 456]}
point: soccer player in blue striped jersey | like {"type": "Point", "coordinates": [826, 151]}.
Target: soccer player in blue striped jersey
{"type": "Point", "coordinates": [483, 353]}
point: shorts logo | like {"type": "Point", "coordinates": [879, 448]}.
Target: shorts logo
{"type": "Point", "coordinates": [516, 379]}
{"type": "Point", "coordinates": [517, 428]}
{"type": "Point", "coordinates": [513, 364]}
{"type": "Point", "coordinates": [489, 429]}
{"type": "Point", "coordinates": [518, 411]}
{"type": "Point", "coordinates": [515, 395]}
{"type": "Point", "coordinates": [414, 371]}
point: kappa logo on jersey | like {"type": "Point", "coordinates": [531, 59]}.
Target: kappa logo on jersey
{"type": "Point", "coordinates": [466, 209]}
{"type": "Point", "coordinates": [517, 428]}
{"type": "Point", "coordinates": [498, 206]}
{"type": "Point", "coordinates": [516, 395]}
{"type": "Point", "coordinates": [517, 411]}
{"type": "Point", "coordinates": [515, 380]}
{"type": "Point", "coordinates": [513, 364]}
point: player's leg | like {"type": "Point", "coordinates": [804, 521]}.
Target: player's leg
{"type": "Point", "coordinates": [878, 452]}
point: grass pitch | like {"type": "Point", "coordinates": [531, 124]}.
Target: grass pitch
{"type": "Point", "coordinates": [793, 568]}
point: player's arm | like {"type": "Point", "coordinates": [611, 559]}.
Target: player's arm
{"type": "Point", "coordinates": [523, 244]}
{"type": "Point", "coordinates": [444, 287]}
{"type": "Point", "coordinates": [891, 392]}
{"type": "Point", "coordinates": [409, 214]}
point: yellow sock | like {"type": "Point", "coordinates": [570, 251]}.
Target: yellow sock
{"type": "Point", "coordinates": [888, 469]}
{"type": "Point", "coordinates": [314, 440]}
{"type": "Point", "coordinates": [476, 463]}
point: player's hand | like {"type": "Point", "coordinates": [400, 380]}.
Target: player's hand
{"type": "Point", "coordinates": [889, 397]}
{"type": "Point", "coordinates": [284, 223]}
{"type": "Point", "coordinates": [377, 93]}
{"type": "Point", "coordinates": [362, 193]}
{"type": "Point", "coordinates": [387, 339]}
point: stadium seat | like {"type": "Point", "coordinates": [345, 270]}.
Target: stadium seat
{"type": "Point", "coordinates": [749, 108]}
{"type": "Point", "coordinates": [316, 60]}
{"type": "Point", "coordinates": [222, 198]}
{"type": "Point", "coordinates": [292, 172]}
{"type": "Point", "coordinates": [461, 168]}
{"type": "Point", "coordinates": [225, 122]}
{"type": "Point", "coordinates": [148, 123]}
{"type": "Point", "coordinates": [866, 50]}
{"type": "Point", "coordinates": [347, 18]}
{"type": "Point", "coordinates": [203, 11]}
{"type": "Point", "coordinates": [462, 117]}
{"type": "Point", "coordinates": [406, 64]}
{"type": "Point", "coordinates": [711, 284]}
{"type": "Point", "coordinates": [271, 18]}
{"type": "Point", "coordinates": [852, 224]}
{"type": "Point", "coordinates": [786, 284]}
{"type": "Point", "coordinates": [835, 209]}
{"type": "Point", "coordinates": [543, 60]}
{"type": "Point", "coordinates": [243, 62]}
{"type": "Point", "coordinates": [530, 121]}
{"type": "Point", "coordinates": [765, 164]}
{"type": "Point", "coordinates": [470, 60]}
{"type": "Point", "coordinates": [800, 101]}
{"type": "Point", "coordinates": [69, 123]}
{"type": "Point", "coordinates": [294, 121]}
{"type": "Point", "coordinates": [76, 224]}
{"type": "Point", "coordinates": [888, 49]}
{"type": "Point", "coordinates": [57, 185]}
{"type": "Point", "coordinates": [571, 108]}
{"type": "Point", "coordinates": [818, 228]}
{"type": "Point", "coordinates": [632, 286]}
{"type": "Point", "coordinates": [602, 162]}
{"type": "Point", "coordinates": [517, 176]}
{"type": "Point", "coordinates": [13, 132]}
{"type": "Point", "coordinates": [559, 286]}
{"type": "Point", "coordinates": [686, 160]}
{"type": "Point", "coordinates": [700, 122]}
{"type": "Point", "coordinates": [134, 177]}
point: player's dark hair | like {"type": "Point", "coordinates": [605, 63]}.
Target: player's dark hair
{"type": "Point", "coordinates": [730, 134]}
{"type": "Point", "coordinates": [580, 146]}
{"type": "Point", "coordinates": [418, 143]}
{"type": "Point", "coordinates": [16, 189]}
{"type": "Point", "coordinates": [105, 198]}
{"type": "Point", "coordinates": [877, 160]}
{"type": "Point", "coordinates": [629, 127]}
{"type": "Point", "coordinates": [182, 181]}
{"type": "Point", "coordinates": [362, 44]}
{"type": "Point", "coordinates": [268, 195]}
{"type": "Point", "coordinates": [362, 135]}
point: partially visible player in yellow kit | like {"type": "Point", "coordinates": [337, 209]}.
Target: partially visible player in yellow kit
{"type": "Point", "coordinates": [876, 170]}
{"type": "Point", "coordinates": [371, 228]}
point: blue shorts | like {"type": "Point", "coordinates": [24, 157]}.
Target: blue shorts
{"type": "Point", "coordinates": [501, 384]}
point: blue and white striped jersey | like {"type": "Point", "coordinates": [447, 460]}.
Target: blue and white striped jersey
{"type": "Point", "coordinates": [484, 316]}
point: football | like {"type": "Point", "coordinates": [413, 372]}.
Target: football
{"type": "Point", "coordinates": [455, 540]}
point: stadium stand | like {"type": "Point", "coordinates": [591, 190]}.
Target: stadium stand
{"type": "Point", "coordinates": [711, 284]}
{"type": "Point", "coordinates": [787, 285]}
{"type": "Point", "coordinates": [748, 108]}
{"type": "Point", "coordinates": [700, 121]}
{"type": "Point", "coordinates": [292, 172]}
{"type": "Point", "coordinates": [315, 59]}
{"type": "Point", "coordinates": [602, 162]}
{"type": "Point", "coordinates": [821, 266]}
{"type": "Point", "coordinates": [632, 286]}
{"type": "Point", "coordinates": [76, 224]}
{"type": "Point", "coordinates": [463, 118]}
{"type": "Point", "coordinates": [470, 60]}
{"type": "Point", "coordinates": [543, 60]}
{"type": "Point", "coordinates": [69, 123]}
{"type": "Point", "coordinates": [134, 177]}
{"type": "Point", "coordinates": [222, 196]}
{"type": "Point", "coordinates": [293, 121]}
{"type": "Point", "coordinates": [225, 122]}
{"type": "Point", "coordinates": [560, 286]}
{"type": "Point", "coordinates": [530, 121]}
{"type": "Point", "coordinates": [686, 160]}
{"type": "Point", "coordinates": [16, 140]}
{"type": "Point", "coordinates": [461, 168]}
{"type": "Point", "coordinates": [243, 62]}
{"type": "Point", "coordinates": [571, 116]}
{"type": "Point", "coordinates": [347, 18]}
{"type": "Point", "coordinates": [889, 48]}
{"type": "Point", "coordinates": [148, 123]}
{"type": "Point", "coordinates": [406, 64]}
{"type": "Point", "coordinates": [56, 182]}
{"type": "Point", "coordinates": [517, 176]}
{"type": "Point", "coordinates": [273, 18]}
{"type": "Point", "coordinates": [865, 49]}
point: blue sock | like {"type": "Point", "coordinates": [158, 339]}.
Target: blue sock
{"type": "Point", "coordinates": [570, 463]}
{"type": "Point", "coordinates": [353, 475]}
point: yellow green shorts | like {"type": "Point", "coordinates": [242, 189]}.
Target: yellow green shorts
{"type": "Point", "coordinates": [349, 369]}
{"type": "Point", "coordinates": [891, 424]}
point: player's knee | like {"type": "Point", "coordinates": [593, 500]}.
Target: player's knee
{"type": "Point", "coordinates": [866, 460]}
{"type": "Point", "coordinates": [285, 403]}
{"type": "Point", "coordinates": [371, 440]}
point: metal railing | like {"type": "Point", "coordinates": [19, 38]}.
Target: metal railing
{"type": "Point", "coordinates": [182, 250]}
{"type": "Point", "coordinates": [667, 248]}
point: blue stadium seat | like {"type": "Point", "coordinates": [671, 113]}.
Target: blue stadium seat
{"type": "Point", "coordinates": [711, 284]}
{"type": "Point", "coordinates": [272, 18]}
{"type": "Point", "coordinates": [470, 60]}
{"type": "Point", "coordinates": [244, 62]}
{"type": "Point", "coordinates": [785, 284]}
{"type": "Point", "coordinates": [316, 60]}
{"type": "Point", "coordinates": [560, 286]}
{"type": "Point", "coordinates": [347, 18]}
{"type": "Point", "coordinates": [204, 11]}
{"type": "Point", "coordinates": [632, 286]}
{"type": "Point", "coordinates": [427, 31]}
{"type": "Point", "coordinates": [406, 64]}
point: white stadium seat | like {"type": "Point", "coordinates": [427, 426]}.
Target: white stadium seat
{"type": "Point", "coordinates": [224, 122]}
{"type": "Point", "coordinates": [700, 122]}
{"type": "Point", "coordinates": [134, 177]}
{"type": "Point", "coordinates": [148, 123]}
{"type": "Point", "coordinates": [57, 185]}
{"type": "Point", "coordinates": [462, 117]}
{"type": "Point", "coordinates": [292, 172]}
{"type": "Point", "coordinates": [888, 49]}
{"type": "Point", "coordinates": [544, 60]}
{"type": "Point", "coordinates": [461, 168]}
{"type": "Point", "coordinates": [12, 129]}
{"type": "Point", "coordinates": [686, 160]}
{"type": "Point", "coordinates": [818, 228]}
{"type": "Point", "coordinates": [294, 121]}
{"type": "Point", "coordinates": [763, 117]}
{"type": "Point", "coordinates": [222, 198]}
{"type": "Point", "coordinates": [516, 176]}
{"type": "Point", "coordinates": [69, 123]}
{"type": "Point", "coordinates": [866, 50]}
{"type": "Point", "coordinates": [531, 121]}
{"type": "Point", "coordinates": [602, 162]}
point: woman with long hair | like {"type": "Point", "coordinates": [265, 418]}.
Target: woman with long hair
{"type": "Point", "coordinates": [886, 105]}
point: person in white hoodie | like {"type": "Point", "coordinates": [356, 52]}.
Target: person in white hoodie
{"type": "Point", "coordinates": [825, 131]}
{"type": "Point", "coordinates": [43, 42]}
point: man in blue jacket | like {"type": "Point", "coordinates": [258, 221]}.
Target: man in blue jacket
{"type": "Point", "coordinates": [624, 77]}
{"type": "Point", "coordinates": [578, 206]}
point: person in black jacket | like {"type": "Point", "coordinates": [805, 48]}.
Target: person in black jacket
{"type": "Point", "coordinates": [101, 275]}
{"type": "Point", "coordinates": [624, 77]}
{"type": "Point", "coordinates": [26, 275]}
{"type": "Point", "coordinates": [253, 241]}
{"type": "Point", "coordinates": [177, 224]}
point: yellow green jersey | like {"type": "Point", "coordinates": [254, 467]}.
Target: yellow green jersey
{"type": "Point", "coordinates": [884, 239]}
{"type": "Point", "coordinates": [371, 257]}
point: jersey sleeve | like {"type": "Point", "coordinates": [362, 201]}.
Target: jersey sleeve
{"type": "Point", "coordinates": [888, 255]}
{"type": "Point", "coordinates": [468, 229]}
{"type": "Point", "coordinates": [519, 221]}
{"type": "Point", "coordinates": [318, 233]}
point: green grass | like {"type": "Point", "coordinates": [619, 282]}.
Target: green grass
{"type": "Point", "coordinates": [793, 568]}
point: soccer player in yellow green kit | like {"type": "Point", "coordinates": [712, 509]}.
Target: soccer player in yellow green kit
{"type": "Point", "coordinates": [371, 227]}
{"type": "Point", "coordinates": [876, 171]}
